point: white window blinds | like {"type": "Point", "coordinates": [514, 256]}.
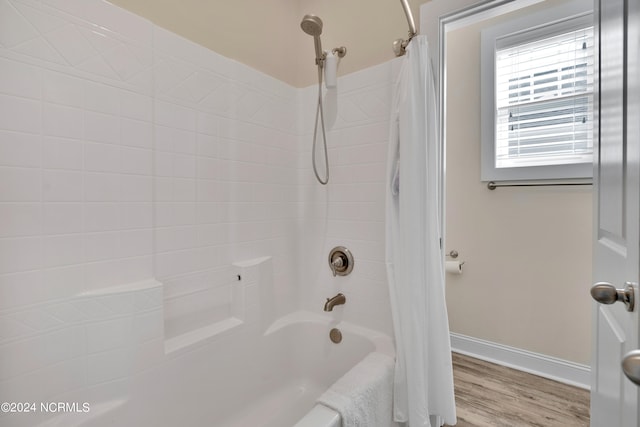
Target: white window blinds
{"type": "Point", "coordinates": [544, 101]}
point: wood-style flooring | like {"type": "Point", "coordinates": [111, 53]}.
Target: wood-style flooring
{"type": "Point", "coordinates": [489, 395]}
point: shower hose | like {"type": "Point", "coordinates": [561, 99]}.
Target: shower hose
{"type": "Point", "coordinates": [320, 114]}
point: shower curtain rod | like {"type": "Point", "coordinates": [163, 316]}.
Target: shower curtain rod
{"type": "Point", "coordinates": [409, 15]}
{"type": "Point", "coordinates": [400, 45]}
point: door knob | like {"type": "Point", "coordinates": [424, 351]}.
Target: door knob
{"type": "Point", "coordinates": [631, 366]}
{"type": "Point", "coordinates": [606, 293]}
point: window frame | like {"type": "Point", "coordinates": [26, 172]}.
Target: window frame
{"type": "Point", "coordinates": [551, 21]}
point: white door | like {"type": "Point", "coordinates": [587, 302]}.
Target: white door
{"type": "Point", "coordinates": [614, 398]}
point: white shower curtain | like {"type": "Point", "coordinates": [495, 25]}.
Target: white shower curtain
{"type": "Point", "coordinates": [423, 384]}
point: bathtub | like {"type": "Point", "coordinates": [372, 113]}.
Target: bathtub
{"type": "Point", "coordinates": [288, 391]}
{"type": "Point", "coordinates": [251, 377]}
{"type": "Point", "coordinates": [273, 381]}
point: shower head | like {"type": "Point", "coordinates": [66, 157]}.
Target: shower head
{"type": "Point", "coordinates": [312, 25]}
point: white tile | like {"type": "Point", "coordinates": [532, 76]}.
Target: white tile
{"type": "Point", "coordinates": [184, 190]}
{"type": "Point", "coordinates": [43, 383]}
{"type": "Point", "coordinates": [136, 215]}
{"type": "Point", "coordinates": [102, 157]}
{"type": "Point", "coordinates": [148, 326]}
{"type": "Point", "coordinates": [108, 366]}
{"type": "Point", "coordinates": [184, 166]}
{"type": "Point", "coordinates": [20, 114]}
{"type": "Point", "coordinates": [163, 189]}
{"type": "Point", "coordinates": [175, 116]}
{"type": "Point", "coordinates": [20, 254]}
{"type": "Point", "coordinates": [20, 289]}
{"type": "Point", "coordinates": [63, 250]}
{"type": "Point", "coordinates": [43, 21]}
{"type": "Point", "coordinates": [62, 186]}
{"type": "Point", "coordinates": [20, 79]}
{"type": "Point", "coordinates": [71, 44]}
{"type": "Point", "coordinates": [102, 98]}
{"type": "Point", "coordinates": [136, 161]}
{"type": "Point", "coordinates": [100, 275]}
{"type": "Point", "coordinates": [101, 39]}
{"type": "Point", "coordinates": [208, 168]}
{"type": "Point", "coordinates": [207, 124]}
{"type": "Point", "coordinates": [97, 66]}
{"type": "Point", "coordinates": [124, 62]}
{"type": "Point", "coordinates": [176, 238]}
{"type": "Point", "coordinates": [20, 185]}
{"type": "Point", "coordinates": [163, 163]}
{"type": "Point", "coordinates": [62, 282]}
{"type": "Point", "coordinates": [136, 133]}
{"type": "Point", "coordinates": [170, 72]}
{"type": "Point", "coordinates": [63, 121]}
{"type": "Point", "coordinates": [175, 140]}
{"type": "Point", "coordinates": [135, 243]}
{"type": "Point", "coordinates": [101, 187]}
{"type": "Point", "coordinates": [101, 246]}
{"type": "Point", "coordinates": [63, 89]}
{"type": "Point", "coordinates": [214, 234]}
{"type": "Point", "coordinates": [109, 335]}
{"type": "Point", "coordinates": [100, 127]}
{"type": "Point", "coordinates": [136, 106]}
{"type": "Point", "coordinates": [20, 149]}
{"type": "Point", "coordinates": [14, 29]}
{"type": "Point", "coordinates": [101, 217]}
{"type": "Point", "coordinates": [170, 264]}
{"type": "Point", "coordinates": [184, 213]}
{"type": "Point", "coordinates": [135, 269]}
{"type": "Point", "coordinates": [60, 153]}
{"type": "Point", "coordinates": [62, 218]}
{"type": "Point", "coordinates": [207, 145]}
{"type": "Point", "coordinates": [110, 16]}
{"type": "Point", "coordinates": [20, 219]}
{"type": "Point", "coordinates": [136, 188]}
{"type": "Point", "coordinates": [42, 351]}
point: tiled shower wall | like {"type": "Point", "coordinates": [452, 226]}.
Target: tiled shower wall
{"type": "Point", "coordinates": [350, 210]}
{"type": "Point", "coordinates": [128, 153]}
{"type": "Point", "coordinates": [122, 144]}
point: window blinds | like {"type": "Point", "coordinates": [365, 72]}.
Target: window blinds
{"type": "Point", "coordinates": [544, 101]}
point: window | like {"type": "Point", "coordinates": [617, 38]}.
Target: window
{"type": "Point", "coordinates": [540, 100]}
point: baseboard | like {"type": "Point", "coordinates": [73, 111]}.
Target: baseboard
{"type": "Point", "coordinates": [534, 363]}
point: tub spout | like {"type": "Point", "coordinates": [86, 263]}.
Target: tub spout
{"type": "Point", "coordinates": [332, 302]}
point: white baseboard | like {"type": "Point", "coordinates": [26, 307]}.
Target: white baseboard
{"type": "Point", "coordinates": [553, 368]}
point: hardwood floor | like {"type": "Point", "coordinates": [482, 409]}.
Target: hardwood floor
{"type": "Point", "coordinates": [489, 395]}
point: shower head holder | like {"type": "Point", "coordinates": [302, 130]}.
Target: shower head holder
{"type": "Point", "coordinates": [340, 51]}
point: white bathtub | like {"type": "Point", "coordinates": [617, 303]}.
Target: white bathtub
{"type": "Point", "coordinates": [286, 392]}
{"type": "Point", "coordinates": [247, 378]}
{"type": "Point", "coordinates": [272, 382]}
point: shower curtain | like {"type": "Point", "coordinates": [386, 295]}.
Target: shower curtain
{"type": "Point", "coordinates": [423, 383]}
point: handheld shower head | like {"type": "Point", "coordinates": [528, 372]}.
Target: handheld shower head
{"type": "Point", "coordinates": [312, 25]}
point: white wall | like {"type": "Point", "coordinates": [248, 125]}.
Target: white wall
{"type": "Point", "coordinates": [527, 274]}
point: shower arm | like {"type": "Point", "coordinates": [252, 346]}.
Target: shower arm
{"type": "Point", "coordinates": [400, 45]}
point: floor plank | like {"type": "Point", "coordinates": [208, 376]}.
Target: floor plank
{"type": "Point", "coordinates": [489, 395]}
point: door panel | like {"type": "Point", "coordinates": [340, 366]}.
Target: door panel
{"type": "Point", "coordinates": [609, 380]}
{"type": "Point", "coordinates": [614, 399]}
{"type": "Point", "coordinates": [612, 141]}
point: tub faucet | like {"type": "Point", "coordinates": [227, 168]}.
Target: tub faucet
{"type": "Point", "coordinates": [332, 302]}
